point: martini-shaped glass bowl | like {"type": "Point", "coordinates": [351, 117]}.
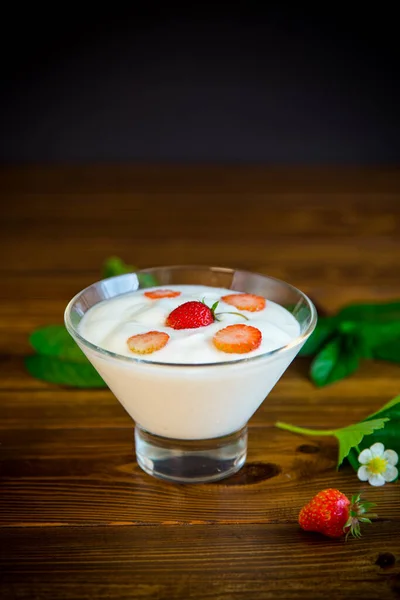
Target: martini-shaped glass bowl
{"type": "Point", "coordinates": [191, 419]}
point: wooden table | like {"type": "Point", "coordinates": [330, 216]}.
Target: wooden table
{"type": "Point", "coordinates": [79, 519]}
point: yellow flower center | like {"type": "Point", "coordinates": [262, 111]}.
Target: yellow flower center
{"type": "Point", "coordinates": [377, 465]}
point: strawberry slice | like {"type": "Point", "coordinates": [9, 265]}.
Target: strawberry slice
{"type": "Point", "coordinates": [248, 302]}
{"type": "Point", "coordinates": [237, 339]}
{"type": "Point", "coordinates": [146, 343]}
{"type": "Point", "coordinates": [157, 294]}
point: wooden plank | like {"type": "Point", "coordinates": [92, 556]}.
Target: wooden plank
{"type": "Point", "coordinates": [89, 476]}
{"type": "Point", "coordinates": [194, 178]}
{"type": "Point", "coordinates": [78, 518]}
{"type": "Point", "coordinates": [246, 215]}
{"type": "Point", "coordinates": [33, 299]}
{"type": "Point", "coordinates": [30, 403]}
{"type": "Point", "coordinates": [198, 562]}
{"type": "Point", "coordinates": [369, 262]}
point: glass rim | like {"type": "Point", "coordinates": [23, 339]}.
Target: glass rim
{"type": "Point", "coordinates": [142, 361]}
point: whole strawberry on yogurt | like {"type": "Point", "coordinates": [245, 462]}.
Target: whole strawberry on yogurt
{"type": "Point", "coordinates": [189, 324]}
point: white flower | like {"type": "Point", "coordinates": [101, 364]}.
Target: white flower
{"type": "Point", "coordinates": [378, 465]}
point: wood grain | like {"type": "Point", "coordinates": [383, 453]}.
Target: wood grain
{"type": "Point", "coordinates": [102, 178]}
{"type": "Point", "coordinates": [78, 518]}
{"type": "Point", "coordinates": [209, 562]}
{"type": "Point", "coordinates": [93, 479]}
{"type": "Point", "coordinates": [296, 399]}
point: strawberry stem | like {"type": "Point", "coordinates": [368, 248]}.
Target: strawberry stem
{"type": "Point", "coordinates": [216, 315]}
{"type": "Point", "coordinates": [303, 430]}
{"type": "Point", "coordinates": [232, 313]}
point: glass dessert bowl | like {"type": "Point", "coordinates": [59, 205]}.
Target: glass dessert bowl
{"type": "Point", "coordinates": [191, 389]}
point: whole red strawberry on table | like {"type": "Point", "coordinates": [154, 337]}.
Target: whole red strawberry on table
{"type": "Point", "coordinates": [331, 513]}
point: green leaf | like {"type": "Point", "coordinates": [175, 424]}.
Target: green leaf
{"type": "Point", "coordinates": [352, 435]}
{"type": "Point", "coordinates": [371, 312]}
{"type": "Point", "coordinates": [214, 306]}
{"type": "Point", "coordinates": [323, 332]}
{"type": "Point", "coordinates": [146, 280]}
{"type": "Point", "coordinates": [391, 409]}
{"type": "Point", "coordinates": [389, 436]}
{"type": "Point", "coordinates": [378, 334]}
{"type": "Point", "coordinates": [364, 316]}
{"type": "Point", "coordinates": [339, 358]}
{"type": "Point", "coordinates": [352, 457]}
{"type": "Point", "coordinates": [54, 340]}
{"type": "Point", "coordinates": [355, 438]}
{"type": "Point", "coordinates": [114, 266]}
{"type": "Point", "coordinates": [389, 351]}
{"type": "Point", "coordinates": [49, 368]}
{"type": "Point", "coordinates": [360, 433]}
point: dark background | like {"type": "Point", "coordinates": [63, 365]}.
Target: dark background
{"type": "Point", "coordinates": [229, 85]}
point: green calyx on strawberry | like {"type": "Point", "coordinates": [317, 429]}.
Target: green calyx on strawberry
{"type": "Point", "coordinates": [358, 513]}
{"type": "Point", "coordinates": [331, 513]}
{"type": "Point", "coordinates": [194, 314]}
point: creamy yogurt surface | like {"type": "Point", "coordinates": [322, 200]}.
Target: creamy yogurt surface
{"type": "Point", "coordinates": [110, 323]}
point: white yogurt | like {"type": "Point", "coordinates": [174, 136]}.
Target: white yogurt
{"type": "Point", "coordinates": [110, 323]}
{"type": "Point", "coordinates": [188, 395]}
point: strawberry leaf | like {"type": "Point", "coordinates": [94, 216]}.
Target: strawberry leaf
{"type": "Point", "coordinates": [389, 351]}
{"type": "Point", "coordinates": [351, 436]}
{"type": "Point", "coordinates": [114, 266]}
{"type": "Point", "coordinates": [375, 335]}
{"type": "Point", "coordinates": [54, 340]}
{"type": "Point", "coordinates": [391, 409]}
{"type": "Point", "coordinates": [324, 331]}
{"type": "Point", "coordinates": [59, 359]}
{"type": "Point", "coordinates": [339, 358]}
{"type": "Point", "coordinates": [382, 426]}
{"type": "Point", "coordinates": [49, 368]}
{"type": "Point", "coordinates": [389, 436]}
{"type": "Point", "coordinates": [352, 457]}
{"type": "Point", "coordinates": [366, 330]}
{"type": "Point", "coordinates": [382, 312]}
{"type": "Point", "coordinates": [146, 280]}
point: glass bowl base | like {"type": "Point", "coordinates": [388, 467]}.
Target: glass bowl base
{"type": "Point", "coordinates": [190, 461]}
